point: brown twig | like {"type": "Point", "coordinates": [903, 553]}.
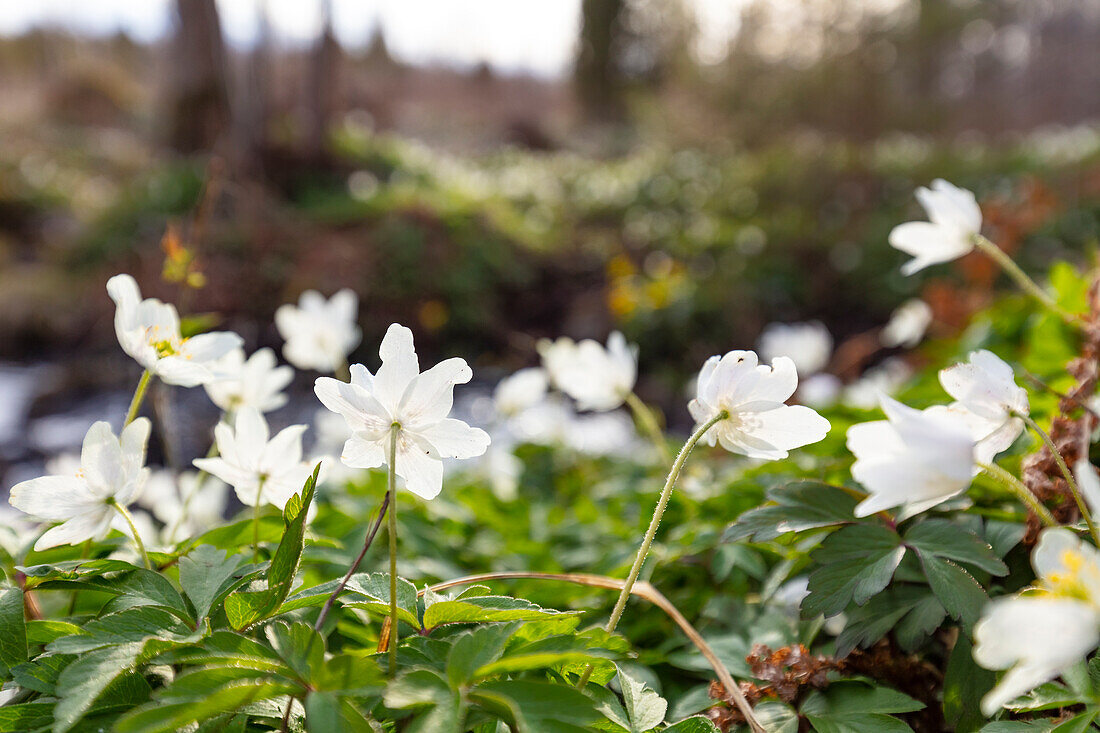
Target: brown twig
{"type": "Point", "coordinates": [643, 590]}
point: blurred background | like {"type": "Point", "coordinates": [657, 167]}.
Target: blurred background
{"type": "Point", "coordinates": [492, 172]}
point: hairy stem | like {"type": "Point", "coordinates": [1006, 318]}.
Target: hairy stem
{"type": "Point", "coordinates": [1022, 279]}
{"type": "Point", "coordinates": [139, 397]}
{"type": "Point", "coordinates": [645, 591]}
{"type": "Point", "coordinates": [651, 532]}
{"type": "Point", "coordinates": [391, 487]}
{"type": "Point", "coordinates": [1020, 491]}
{"type": "Point", "coordinates": [644, 415]}
{"type": "Point", "coordinates": [1082, 507]}
{"type": "Point", "coordinates": [133, 531]}
{"type": "Point", "coordinates": [256, 521]}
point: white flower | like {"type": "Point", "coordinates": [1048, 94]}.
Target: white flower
{"type": "Point", "coordinates": [759, 424]}
{"type": "Point", "coordinates": [601, 434]}
{"type": "Point", "coordinates": [907, 324]}
{"type": "Point", "coordinates": [808, 345]}
{"type": "Point", "coordinates": [913, 459]}
{"type": "Point", "coordinates": [183, 505]}
{"type": "Point", "coordinates": [819, 391]}
{"type": "Point", "coordinates": [884, 379]}
{"type": "Point", "coordinates": [319, 333]}
{"type": "Point", "coordinates": [416, 404]}
{"type": "Point", "coordinates": [521, 390]}
{"type": "Point", "coordinates": [1041, 634]}
{"type": "Point", "coordinates": [149, 331]}
{"type": "Point", "coordinates": [255, 382]}
{"type": "Point", "coordinates": [598, 378]}
{"type": "Point", "coordinates": [111, 471]}
{"type": "Point", "coordinates": [954, 220]}
{"type": "Point", "coordinates": [261, 469]}
{"type": "Point", "coordinates": [1089, 483]}
{"type": "Point", "coordinates": [988, 399]}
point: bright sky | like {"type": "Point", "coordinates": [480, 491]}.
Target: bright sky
{"type": "Point", "coordinates": [534, 36]}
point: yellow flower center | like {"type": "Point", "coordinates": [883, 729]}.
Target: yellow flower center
{"type": "Point", "coordinates": [1069, 582]}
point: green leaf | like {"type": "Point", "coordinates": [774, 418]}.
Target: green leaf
{"type": "Point", "coordinates": [699, 724]}
{"type": "Point", "coordinates": [207, 574]}
{"type": "Point", "coordinates": [168, 718]}
{"type": "Point", "coordinates": [130, 625]}
{"type": "Point", "coordinates": [645, 709]}
{"type": "Point", "coordinates": [485, 609]}
{"type": "Point", "coordinates": [446, 710]}
{"type": "Point", "coordinates": [13, 630]}
{"type": "Point", "coordinates": [41, 674]}
{"type": "Point", "coordinates": [964, 684]}
{"type": "Point", "coordinates": [328, 712]}
{"type": "Point", "coordinates": [1048, 696]}
{"type": "Point", "coordinates": [955, 588]}
{"type": "Point", "coordinates": [371, 592]}
{"type": "Point", "coordinates": [854, 563]}
{"type": "Point", "coordinates": [299, 646]}
{"type": "Point", "coordinates": [246, 608]}
{"type": "Point", "coordinates": [944, 539]}
{"type": "Point", "coordinates": [472, 650]}
{"type": "Point", "coordinates": [141, 587]}
{"type": "Point", "coordinates": [40, 631]}
{"type": "Point", "coordinates": [1078, 723]}
{"type": "Point", "coordinates": [777, 717]}
{"type": "Point", "coordinates": [798, 507]}
{"type": "Point", "coordinates": [537, 707]}
{"type": "Point", "coordinates": [26, 717]}
{"type": "Point", "coordinates": [912, 609]}
{"type": "Point", "coordinates": [85, 679]}
{"type": "Point", "coordinates": [854, 707]}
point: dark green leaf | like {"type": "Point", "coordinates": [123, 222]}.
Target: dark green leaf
{"type": "Point", "coordinates": [208, 574]}
{"type": "Point", "coordinates": [13, 631]}
{"type": "Point", "coordinates": [964, 684]}
{"type": "Point", "coordinates": [537, 707]}
{"type": "Point", "coordinates": [955, 588]}
{"type": "Point", "coordinates": [798, 507]}
{"type": "Point", "coordinates": [944, 539]}
{"type": "Point", "coordinates": [421, 689]}
{"type": "Point", "coordinates": [854, 563]}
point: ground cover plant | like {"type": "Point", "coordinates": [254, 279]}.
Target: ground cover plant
{"type": "Point", "coordinates": [800, 561]}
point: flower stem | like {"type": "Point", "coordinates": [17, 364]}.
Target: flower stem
{"type": "Point", "coordinates": [256, 522]}
{"type": "Point", "coordinates": [133, 530]}
{"type": "Point", "coordinates": [1021, 492]}
{"type": "Point", "coordinates": [651, 532]}
{"type": "Point", "coordinates": [644, 415]}
{"type": "Point", "coordinates": [1082, 507]}
{"type": "Point", "coordinates": [1022, 279]}
{"type": "Point", "coordinates": [139, 397]}
{"type": "Point", "coordinates": [391, 488]}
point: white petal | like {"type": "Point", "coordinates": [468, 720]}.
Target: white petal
{"type": "Point", "coordinates": [182, 372]}
{"type": "Point", "coordinates": [929, 243]}
{"type": "Point", "coordinates": [53, 498]}
{"type": "Point", "coordinates": [455, 439]}
{"type": "Point", "coordinates": [360, 453]}
{"type": "Point", "coordinates": [949, 205]}
{"type": "Point", "coordinates": [92, 525]}
{"type": "Point", "coordinates": [422, 472]}
{"type": "Point", "coordinates": [124, 290]}
{"type": "Point", "coordinates": [429, 397]}
{"type": "Point", "coordinates": [399, 367]}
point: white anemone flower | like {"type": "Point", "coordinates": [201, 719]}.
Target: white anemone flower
{"type": "Point", "coordinates": [808, 345]}
{"type": "Point", "coordinates": [599, 378]}
{"type": "Point", "coordinates": [1045, 631]}
{"type": "Point", "coordinates": [319, 333]}
{"type": "Point", "coordinates": [521, 390]}
{"type": "Point", "coordinates": [149, 331]}
{"type": "Point", "coordinates": [759, 423]}
{"type": "Point", "coordinates": [260, 468]}
{"type": "Point", "coordinates": [882, 379]}
{"type": "Point", "coordinates": [112, 471]}
{"type": "Point", "coordinates": [988, 398]}
{"type": "Point", "coordinates": [907, 325]}
{"type": "Point", "coordinates": [913, 459]}
{"type": "Point", "coordinates": [819, 391]}
{"type": "Point", "coordinates": [416, 404]}
{"type": "Point", "coordinates": [254, 382]}
{"type": "Point", "coordinates": [954, 220]}
{"type": "Point", "coordinates": [183, 504]}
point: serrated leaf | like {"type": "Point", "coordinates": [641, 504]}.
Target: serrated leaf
{"type": "Point", "coordinates": [645, 709]}
{"type": "Point", "coordinates": [699, 724]}
{"type": "Point", "coordinates": [41, 631]}
{"type": "Point", "coordinates": [424, 688]}
{"type": "Point", "coordinates": [328, 712]}
{"type": "Point", "coordinates": [207, 574]}
{"type": "Point", "coordinates": [26, 716]}
{"type": "Point", "coordinates": [853, 564]}
{"type": "Point", "coordinates": [299, 646]}
{"type": "Point", "coordinates": [1048, 696]}
{"type": "Point", "coordinates": [961, 595]}
{"type": "Point", "coordinates": [371, 592]}
{"type": "Point", "coordinates": [944, 539]}
{"type": "Point", "coordinates": [41, 674]}
{"type": "Point", "coordinates": [476, 648]}
{"type": "Point", "coordinates": [777, 717]}
{"type": "Point", "coordinates": [798, 507]}
{"type": "Point", "coordinates": [246, 608]}
{"type": "Point", "coordinates": [237, 695]}
{"type": "Point", "coordinates": [483, 609]}
{"type": "Point", "coordinates": [846, 698]}
{"type": "Point", "coordinates": [537, 707]}
{"type": "Point", "coordinates": [13, 630]}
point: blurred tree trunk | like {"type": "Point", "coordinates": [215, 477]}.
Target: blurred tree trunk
{"type": "Point", "coordinates": [597, 75]}
{"type": "Point", "coordinates": [199, 98]}
{"type": "Point", "coordinates": [324, 71]}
